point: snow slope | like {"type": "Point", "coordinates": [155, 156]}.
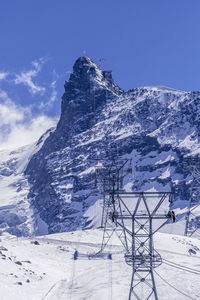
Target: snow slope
{"type": "Point", "coordinates": [46, 270]}
{"type": "Point", "coordinates": [17, 216]}
{"type": "Point", "coordinates": [15, 212]}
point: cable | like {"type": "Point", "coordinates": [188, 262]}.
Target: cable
{"type": "Point", "coordinates": [183, 267]}
{"type": "Point", "coordinates": [197, 273]}
{"type": "Point", "coordinates": [173, 287]}
{"type": "Point", "coordinates": [178, 267]}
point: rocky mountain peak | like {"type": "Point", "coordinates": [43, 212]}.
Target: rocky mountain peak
{"type": "Point", "coordinates": [86, 92]}
{"type": "Point", "coordinates": [154, 126]}
{"type": "Point", "coordinates": [84, 68]}
{"type": "Point", "coordinates": [86, 74]}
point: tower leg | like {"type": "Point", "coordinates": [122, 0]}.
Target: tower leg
{"type": "Point", "coordinates": [143, 280]}
{"type": "Point", "coordinates": [154, 285]}
{"type": "Point", "coordinates": [131, 286]}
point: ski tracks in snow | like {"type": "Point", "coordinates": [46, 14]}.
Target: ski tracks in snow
{"type": "Point", "coordinates": [57, 291]}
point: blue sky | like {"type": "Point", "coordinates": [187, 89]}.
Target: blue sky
{"type": "Point", "coordinates": [144, 42]}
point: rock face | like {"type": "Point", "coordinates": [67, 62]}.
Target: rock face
{"type": "Point", "coordinates": [155, 126]}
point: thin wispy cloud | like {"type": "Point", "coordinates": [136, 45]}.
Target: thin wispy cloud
{"type": "Point", "coordinates": [53, 97]}
{"type": "Point", "coordinates": [9, 112]}
{"type": "Point", "coordinates": [47, 105]}
{"type": "Point", "coordinates": [53, 84]}
{"type": "Point", "coordinates": [24, 118]}
{"type": "Point", "coordinates": [3, 75]}
{"type": "Point", "coordinates": [18, 127]}
{"type": "Point", "coordinates": [24, 133]}
{"type": "Point", "coordinates": [27, 78]}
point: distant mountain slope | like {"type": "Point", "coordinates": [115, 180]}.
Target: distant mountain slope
{"type": "Point", "coordinates": [155, 126]}
{"type": "Point", "coordinates": [17, 215]}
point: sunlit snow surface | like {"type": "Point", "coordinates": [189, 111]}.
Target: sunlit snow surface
{"type": "Point", "coordinates": [16, 214]}
{"type": "Point", "coordinates": [48, 270]}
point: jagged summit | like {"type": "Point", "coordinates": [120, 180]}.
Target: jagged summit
{"type": "Point", "coordinates": [84, 72]}
{"type": "Point", "coordinates": [83, 60]}
{"type": "Point", "coordinates": [87, 77]}
{"type": "Point", "coordinates": [86, 92]}
{"type": "Point", "coordinates": [84, 67]}
{"type": "Point", "coordinates": [154, 126]}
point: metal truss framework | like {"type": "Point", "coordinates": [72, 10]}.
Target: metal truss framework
{"type": "Point", "coordinates": [134, 217]}
{"type": "Point", "coordinates": [192, 221]}
{"type": "Point", "coordinates": [140, 217]}
{"type": "Point", "coordinates": [109, 179]}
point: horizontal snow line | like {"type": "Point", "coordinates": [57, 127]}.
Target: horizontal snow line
{"type": "Point", "coordinates": [74, 242]}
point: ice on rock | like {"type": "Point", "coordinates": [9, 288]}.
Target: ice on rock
{"type": "Point", "coordinates": [154, 126]}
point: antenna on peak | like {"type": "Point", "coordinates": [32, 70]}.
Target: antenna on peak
{"type": "Point", "coordinates": [100, 61]}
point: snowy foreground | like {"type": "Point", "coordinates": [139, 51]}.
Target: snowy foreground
{"type": "Point", "coordinates": [46, 269]}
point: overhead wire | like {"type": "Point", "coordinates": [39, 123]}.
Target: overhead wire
{"type": "Point", "coordinates": [175, 265]}
{"type": "Point", "coordinates": [197, 273]}
{"type": "Point", "coordinates": [173, 287]}
{"type": "Point", "coordinates": [178, 266]}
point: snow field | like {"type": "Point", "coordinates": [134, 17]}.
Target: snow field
{"type": "Point", "coordinates": [46, 269]}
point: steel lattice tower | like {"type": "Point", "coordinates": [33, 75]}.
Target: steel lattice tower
{"type": "Point", "coordinates": [109, 179]}
{"type": "Point", "coordinates": [138, 214]}
{"type": "Point", "coordinates": [134, 217]}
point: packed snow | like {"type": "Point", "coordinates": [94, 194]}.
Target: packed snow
{"type": "Point", "coordinates": [47, 268]}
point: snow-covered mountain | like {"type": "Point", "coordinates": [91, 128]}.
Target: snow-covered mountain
{"type": "Point", "coordinates": [17, 215]}
{"type": "Point", "coordinates": [154, 126]}
{"type": "Point", "coordinates": [48, 187]}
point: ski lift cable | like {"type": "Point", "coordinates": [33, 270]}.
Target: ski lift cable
{"type": "Point", "coordinates": [171, 262]}
{"type": "Point", "coordinates": [180, 267]}
{"type": "Point", "coordinates": [173, 287]}
{"type": "Point", "coordinates": [197, 232]}
{"type": "Point", "coordinates": [194, 207]}
{"type": "Point", "coordinates": [196, 273]}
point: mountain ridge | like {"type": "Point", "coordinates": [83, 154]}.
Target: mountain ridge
{"type": "Point", "coordinates": [155, 127]}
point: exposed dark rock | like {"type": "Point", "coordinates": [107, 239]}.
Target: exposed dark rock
{"type": "Point", "coordinates": [35, 243]}
{"type": "Point", "coordinates": [156, 127]}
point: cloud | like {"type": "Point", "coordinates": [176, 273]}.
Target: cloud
{"type": "Point", "coordinates": [27, 133]}
{"type": "Point", "coordinates": [22, 120]}
{"type": "Point", "coordinates": [3, 75]}
{"type": "Point", "coordinates": [26, 78]}
{"type": "Point", "coordinates": [53, 97]}
{"type": "Point", "coordinates": [18, 127]}
{"type": "Point", "coordinates": [9, 112]}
